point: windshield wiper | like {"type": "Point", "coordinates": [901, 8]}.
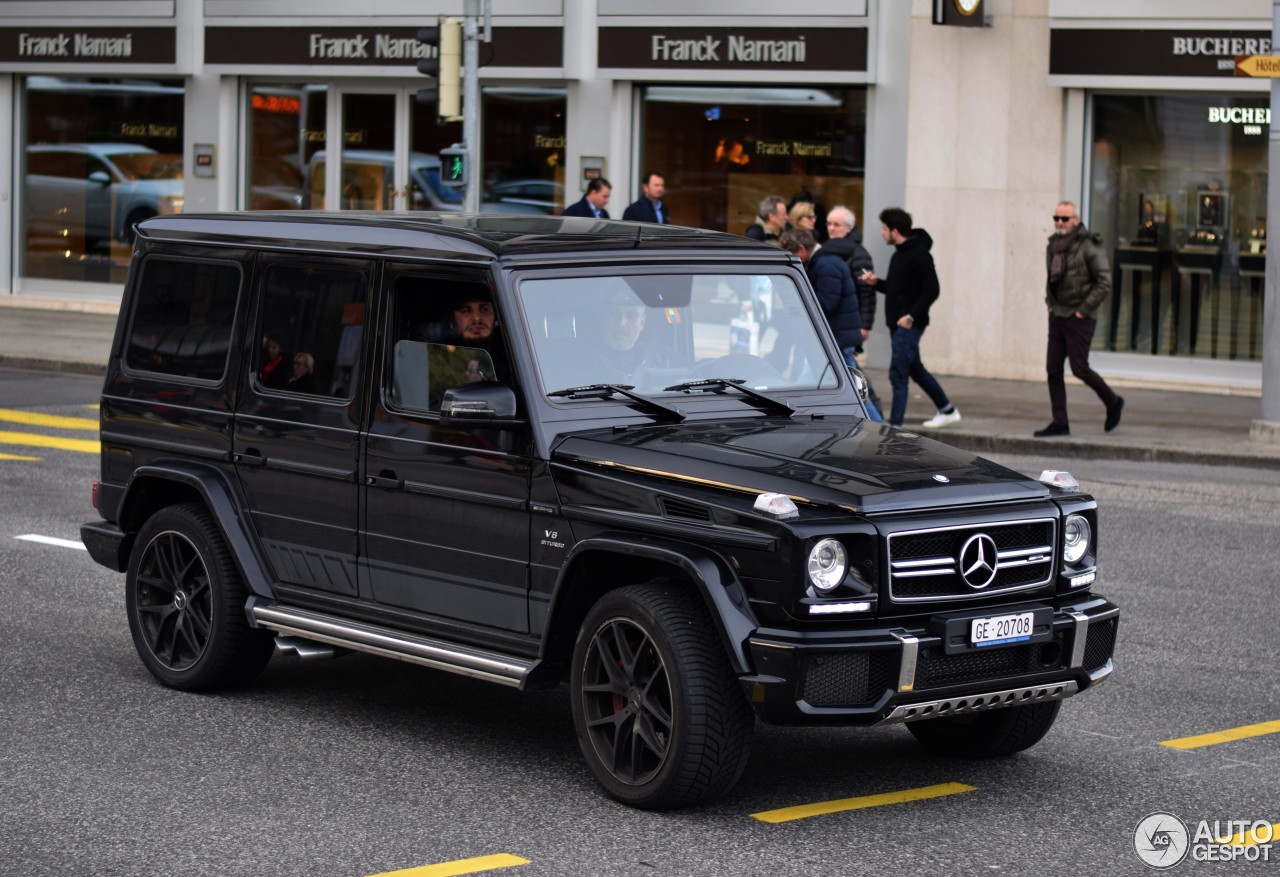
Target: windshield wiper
{"type": "Point", "coordinates": [738, 384]}
{"type": "Point", "coordinates": [606, 391]}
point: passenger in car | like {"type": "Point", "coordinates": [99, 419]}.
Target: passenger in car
{"type": "Point", "coordinates": [302, 380]}
{"type": "Point", "coordinates": [273, 374]}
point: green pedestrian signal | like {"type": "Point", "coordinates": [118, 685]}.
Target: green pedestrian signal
{"type": "Point", "coordinates": [453, 167]}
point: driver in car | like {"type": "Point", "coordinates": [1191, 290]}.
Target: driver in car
{"type": "Point", "coordinates": [617, 355]}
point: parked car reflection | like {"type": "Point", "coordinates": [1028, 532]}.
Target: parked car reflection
{"type": "Point", "coordinates": [94, 193]}
{"type": "Point", "coordinates": [368, 183]}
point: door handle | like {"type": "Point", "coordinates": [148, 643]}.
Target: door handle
{"type": "Point", "coordinates": [251, 457]}
{"type": "Point", "coordinates": [385, 479]}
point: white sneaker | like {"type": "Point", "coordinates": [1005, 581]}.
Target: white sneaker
{"type": "Point", "coordinates": [940, 420]}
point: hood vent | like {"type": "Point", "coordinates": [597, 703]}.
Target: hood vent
{"type": "Point", "coordinates": [685, 511]}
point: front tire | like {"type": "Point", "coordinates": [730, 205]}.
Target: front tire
{"type": "Point", "coordinates": [659, 714]}
{"type": "Point", "coordinates": [987, 734]}
{"type": "Point", "coordinates": [185, 601]}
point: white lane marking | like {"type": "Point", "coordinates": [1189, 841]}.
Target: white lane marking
{"type": "Point", "coordinates": [52, 540]}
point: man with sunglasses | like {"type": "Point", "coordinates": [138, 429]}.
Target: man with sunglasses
{"type": "Point", "coordinates": [1079, 281]}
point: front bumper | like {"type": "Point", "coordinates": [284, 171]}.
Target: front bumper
{"type": "Point", "coordinates": [886, 675]}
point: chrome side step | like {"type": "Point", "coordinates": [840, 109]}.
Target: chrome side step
{"type": "Point", "coordinates": [391, 643]}
{"type": "Point", "coordinates": [987, 700]}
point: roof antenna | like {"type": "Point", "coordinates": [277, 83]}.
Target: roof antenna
{"type": "Point", "coordinates": [639, 234]}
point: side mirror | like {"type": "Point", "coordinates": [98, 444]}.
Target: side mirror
{"type": "Point", "coordinates": [101, 178]}
{"type": "Point", "coordinates": [481, 401]}
{"type": "Point", "coordinates": [862, 387]}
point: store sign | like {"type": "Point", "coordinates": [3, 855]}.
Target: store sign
{"type": "Point", "coordinates": [787, 148]}
{"type": "Point", "coordinates": [79, 45]}
{"type": "Point", "coordinates": [1252, 120]}
{"type": "Point", "coordinates": [1089, 52]}
{"type": "Point", "coordinates": [369, 47]}
{"type": "Point", "coordinates": [718, 48]}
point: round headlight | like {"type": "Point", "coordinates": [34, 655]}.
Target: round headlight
{"type": "Point", "coordinates": [1076, 539]}
{"type": "Point", "coordinates": [827, 564]}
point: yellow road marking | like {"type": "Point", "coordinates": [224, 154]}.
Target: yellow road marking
{"type": "Point", "coordinates": [18, 457]}
{"type": "Point", "coordinates": [33, 440]}
{"type": "Point", "coordinates": [30, 418]}
{"type": "Point", "coordinates": [1253, 838]}
{"type": "Point", "coordinates": [1231, 734]}
{"type": "Point", "coordinates": [461, 866]}
{"type": "Point", "coordinates": [804, 811]}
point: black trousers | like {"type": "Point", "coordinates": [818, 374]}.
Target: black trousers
{"type": "Point", "coordinates": [1069, 339]}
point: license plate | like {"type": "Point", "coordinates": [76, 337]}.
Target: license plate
{"type": "Point", "coordinates": [1001, 629]}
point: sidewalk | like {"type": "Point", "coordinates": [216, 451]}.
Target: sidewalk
{"type": "Point", "coordinates": [998, 416]}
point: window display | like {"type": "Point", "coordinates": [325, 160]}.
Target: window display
{"type": "Point", "coordinates": [722, 149]}
{"type": "Point", "coordinates": [1179, 188]}
{"type": "Point", "coordinates": [100, 155]}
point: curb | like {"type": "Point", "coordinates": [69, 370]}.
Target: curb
{"type": "Point", "coordinates": [31, 363]}
{"type": "Point", "coordinates": [1086, 450]}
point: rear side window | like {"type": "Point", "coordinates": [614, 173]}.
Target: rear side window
{"type": "Point", "coordinates": [183, 316]}
{"type": "Point", "coordinates": [312, 326]}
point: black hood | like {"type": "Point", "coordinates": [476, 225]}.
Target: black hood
{"type": "Point", "coordinates": [838, 462]}
{"type": "Point", "coordinates": [918, 238]}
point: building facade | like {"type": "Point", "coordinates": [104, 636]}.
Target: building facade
{"type": "Point", "coordinates": [122, 109]}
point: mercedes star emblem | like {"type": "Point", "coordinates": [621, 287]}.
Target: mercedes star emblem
{"type": "Point", "coordinates": [978, 561]}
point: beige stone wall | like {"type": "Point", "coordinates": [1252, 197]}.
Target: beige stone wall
{"type": "Point", "coordinates": [984, 172]}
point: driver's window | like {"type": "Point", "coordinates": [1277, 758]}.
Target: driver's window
{"type": "Point", "coordinates": [444, 334]}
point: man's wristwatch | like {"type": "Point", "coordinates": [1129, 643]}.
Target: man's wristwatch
{"type": "Point", "coordinates": [911, 321]}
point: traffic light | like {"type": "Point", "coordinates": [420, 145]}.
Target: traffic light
{"type": "Point", "coordinates": [443, 61]}
{"type": "Point", "coordinates": [454, 166]}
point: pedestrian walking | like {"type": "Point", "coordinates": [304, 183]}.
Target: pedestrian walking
{"type": "Point", "coordinates": [593, 202]}
{"type": "Point", "coordinates": [649, 207]}
{"type": "Point", "coordinates": [833, 283]}
{"type": "Point", "coordinates": [1079, 281]}
{"type": "Point", "coordinates": [845, 238]}
{"type": "Point", "coordinates": [909, 291]}
{"type": "Point", "coordinates": [771, 220]}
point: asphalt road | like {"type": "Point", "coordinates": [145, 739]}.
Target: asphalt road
{"type": "Point", "coordinates": [362, 766]}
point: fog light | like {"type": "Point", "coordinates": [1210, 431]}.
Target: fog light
{"type": "Point", "coordinates": [839, 608]}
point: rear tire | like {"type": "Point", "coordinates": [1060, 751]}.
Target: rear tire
{"type": "Point", "coordinates": [660, 717]}
{"type": "Point", "coordinates": [186, 605]}
{"type": "Point", "coordinates": [987, 734]}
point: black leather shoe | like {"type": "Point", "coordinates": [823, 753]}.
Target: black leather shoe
{"type": "Point", "coordinates": [1053, 429]}
{"type": "Point", "coordinates": [1113, 414]}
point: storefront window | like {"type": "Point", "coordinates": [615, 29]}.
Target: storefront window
{"type": "Point", "coordinates": [1179, 190]}
{"type": "Point", "coordinates": [721, 150]}
{"type": "Point", "coordinates": [524, 150]}
{"type": "Point", "coordinates": [100, 155]}
{"type": "Point", "coordinates": [286, 130]}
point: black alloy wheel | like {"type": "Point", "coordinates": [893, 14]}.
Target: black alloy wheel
{"type": "Point", "coordinates": [661, 719]}
{"type": "Point", "coordinates": [185, 601]}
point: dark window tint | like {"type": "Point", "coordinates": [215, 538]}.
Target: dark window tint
{"type": "Point", "coordinates": [429, 352]}
{"type": "Point", "coordinates": [183, 313]}
{"type": "Point", "coordinates": [312, 327]}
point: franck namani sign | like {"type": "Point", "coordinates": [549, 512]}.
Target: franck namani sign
{"type": "Point", "coordinates": [719, 48]}
{"type": "Point", "coordinates": [87, 45]}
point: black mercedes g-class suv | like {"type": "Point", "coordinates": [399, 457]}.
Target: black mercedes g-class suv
{"type": "Point", "coordinates": [536, 450]}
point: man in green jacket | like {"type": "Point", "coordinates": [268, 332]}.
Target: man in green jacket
{"type": "Point", "coordinates": [1079, 282]}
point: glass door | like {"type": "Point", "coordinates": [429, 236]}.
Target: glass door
{"type": "Point", "coordinates": [365, 164]}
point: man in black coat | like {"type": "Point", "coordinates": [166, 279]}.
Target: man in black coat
{"type": "Point", "coordinates": [649, 207]}
{"type": "Point", "coordinates": [593, 202]}
{"type": "Point", "coordinates": [909, 290]}
{"type": "Point", "coordinates": [829, 274]}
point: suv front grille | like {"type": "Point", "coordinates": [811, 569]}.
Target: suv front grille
{"type": "Point", "coordinates": [849, 679]}
{"type": "Point", "coordinates": [929, 565]}
{"type": "Point", "coordinates": [936, 669]}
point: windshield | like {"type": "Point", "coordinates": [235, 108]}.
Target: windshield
{"type": "Point", "coordinates": [654, 331]}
